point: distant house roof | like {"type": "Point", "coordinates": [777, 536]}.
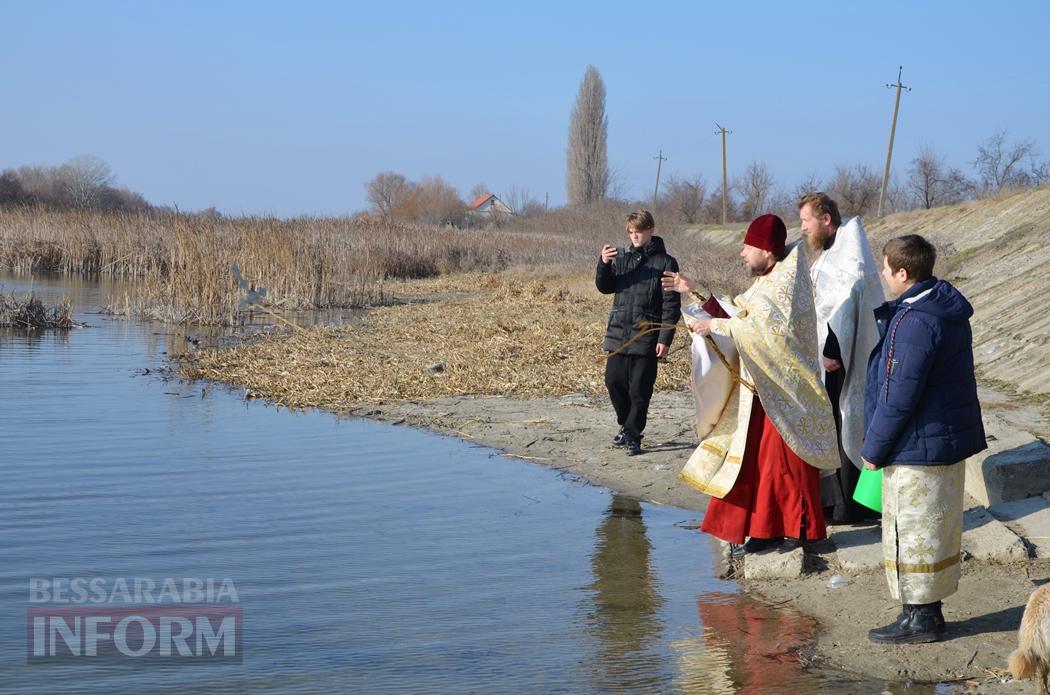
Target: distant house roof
{"type": "Point", "coordinates": [489, 205]}
{"type": "Point", "coordinates": [480, 201]}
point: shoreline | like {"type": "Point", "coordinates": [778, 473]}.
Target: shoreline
{"type": "Point", "coordinates": [513, 342]}
{"type": "Point", "coordinates": [572, 434]}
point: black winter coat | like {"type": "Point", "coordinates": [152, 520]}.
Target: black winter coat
{"type": "Point", "coordinates": [634, 275]}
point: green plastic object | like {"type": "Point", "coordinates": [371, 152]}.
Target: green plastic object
{"type": "Point", "coordinates": [869, 489]}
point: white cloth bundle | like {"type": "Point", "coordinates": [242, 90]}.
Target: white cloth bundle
{"type": "Point", "coordinates": [712, 383]}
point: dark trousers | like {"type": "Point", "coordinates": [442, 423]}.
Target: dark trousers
{"type": "Point", "coordinates": [630, 380]}
{"type": "Point", "coordinates": [836, 491]}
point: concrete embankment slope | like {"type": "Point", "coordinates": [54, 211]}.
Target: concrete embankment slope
{"type": "Point", "coordinates": [997, 251]}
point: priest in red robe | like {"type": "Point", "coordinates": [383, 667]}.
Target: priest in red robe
{"type": "Point", "coordinates": [761, 463]}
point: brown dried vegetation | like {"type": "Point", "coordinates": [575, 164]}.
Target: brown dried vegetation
{"type": "Point", "coordinates": [495, 334]}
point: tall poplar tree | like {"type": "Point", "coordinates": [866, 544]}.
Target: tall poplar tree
{"type": "Point", "coordinates": [587, 174]}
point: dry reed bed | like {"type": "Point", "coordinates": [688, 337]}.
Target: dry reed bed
{"type": "Point", "coordinates": [494, 334]}
{"type": "Point", "coordinates": [184, 261]}
{"type": "Point", "coordinates": [29, 312]}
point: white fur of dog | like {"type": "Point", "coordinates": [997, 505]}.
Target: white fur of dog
{"type": "Point", "coordinates": [1031, 659]}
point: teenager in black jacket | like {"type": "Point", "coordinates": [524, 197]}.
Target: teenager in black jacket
{"type": "Point", "coordinates": [633, 274]}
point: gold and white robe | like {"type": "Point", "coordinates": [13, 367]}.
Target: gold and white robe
{"type": "Point", "coordinates": [922, 520]}
{"type": "Point", "coordinates": [773, 333]}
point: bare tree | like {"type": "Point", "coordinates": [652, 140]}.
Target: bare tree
{"type": "Point", "coordinates": [432, 201]}
{"type": "Point", "coordinates": [587, 174]}
{"type": "Point", "coordinates": [521, 202]}
{"type": "Point", "coordinates": [898, 199]}
{"type": "Point", "coordinates": [684, 199]}
{"type": "Point", "coordinates": [855, 188]}
{"type": "Point", "coordinates": [478, 190]}
{"type": "Point", "coordinates": [811, 184]}
{"type": "Point", "coordinates": [932, 183]}
{"type": "Point", "coordinates": [111, 198]}
{"type": "Point", "coordinates": [754, 186]}
{"type": "Point", "coordinates": [385, 191]}
{"type": "Point", "coordinates": [783, 204]}
{"type": "Point", "coordinates": [1041, 173]}
{"type": "Point", "coordinates": [1001, 165]}
{"type": "Point", "coordinates": [83, 180]}
{"type": "Point", "coordinates": [12, 192]}
{"type": "Point", "coordinates": [712, 212]}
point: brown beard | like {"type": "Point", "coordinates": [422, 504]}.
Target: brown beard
{"type": "Point", "coordinates": [814, 245]}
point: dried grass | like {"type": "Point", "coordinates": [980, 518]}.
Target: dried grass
{"type": "Point", "coordinates": [183, 261]}
{"type": "Point", "coordinates": [490, 334]}
{"type": "Point", "coordinates": [29, 312]}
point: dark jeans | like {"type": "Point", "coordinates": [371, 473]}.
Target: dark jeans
{"type": "Point", "coordinates": [630, 380]}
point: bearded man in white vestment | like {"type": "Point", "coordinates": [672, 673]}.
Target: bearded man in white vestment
{"type": "Point", "coordinates": [847, 291]}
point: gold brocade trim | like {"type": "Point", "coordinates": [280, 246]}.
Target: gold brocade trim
{"type": "Point", "coordinates": [704, 487]}
{"type": "Point", "coordinates": [733, 459]}
{"type": "Point", "coordinates": [717, 450]}
{"type": "Point", "coordinates": [922, 567]}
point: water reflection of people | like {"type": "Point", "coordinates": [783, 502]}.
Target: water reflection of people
{"type": "Point", "coordinates": [759, 641]}
{"type": "Point", "coordinates": [623, 617]}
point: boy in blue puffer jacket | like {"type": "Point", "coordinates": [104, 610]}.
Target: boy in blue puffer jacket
{"type": "Point", "coordinates": [922, 420]}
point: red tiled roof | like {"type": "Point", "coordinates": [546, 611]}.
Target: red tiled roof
{"type": "Point", "coordinates": [480, 201]}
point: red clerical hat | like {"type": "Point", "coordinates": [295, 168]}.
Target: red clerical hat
{"type": "Point", "coordinates": [767, 232]}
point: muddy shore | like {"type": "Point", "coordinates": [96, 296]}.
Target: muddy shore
{"type": "Point", "coordinates": [572, 433]}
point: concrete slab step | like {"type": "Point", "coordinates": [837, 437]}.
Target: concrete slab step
{"type": "Point", "coordinates": [987, 539]}
{"type": "Point", "coordinates": [1029, 519]}
{"type": "Point", "coordinates": [858, 549]}
{"type": "Point", "coordinates": [1015, 465]}
{"type": "Point", "coordinates": [774, 565]}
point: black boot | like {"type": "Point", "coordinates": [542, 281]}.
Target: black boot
{"type": "Point", "coordinates": [756, 545]}
{"type": "Point", "coordinates": [929, 618]}
{"type": "Point", "coordinates": [888, 634]}
{"type": "Point", "coordinates": [917, 624]}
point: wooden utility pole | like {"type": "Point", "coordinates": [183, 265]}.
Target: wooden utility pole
{"type": "Point", "coordinates": [660, 159]}
{"type": "Point", "coordinates": [725, 177]}
{"type": "Point", "coordinates": [893, 131]}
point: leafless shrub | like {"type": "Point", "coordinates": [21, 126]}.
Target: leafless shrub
{"type": "Point", "coordinates": [522, 203]}
{"type": "Point", "coordinates": [713, 207]}
{"type": "Point", "coordinates": [1000, 164]}
{"type": "Point", "coordinates": [84, 183]}
{"type": "Point", "coordinates": [431, 201]}
{"type": "Point", "coordinates": [810, 184]}
{"type": "Point", "coordinates": [683, 199]}
{"type": "Point", "coordinates": [855, 188]}
{"type": "Point", "coordinates": [931, 182]}
{"type": "Point", "coordinates": [754, 187]}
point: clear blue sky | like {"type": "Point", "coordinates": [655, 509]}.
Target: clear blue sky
{"type": "Point", "coordinates": [289, 108]}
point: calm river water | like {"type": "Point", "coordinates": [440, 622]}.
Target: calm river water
{"type": "Point", "coordinates": [365, 557]}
